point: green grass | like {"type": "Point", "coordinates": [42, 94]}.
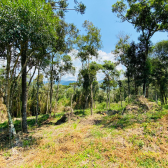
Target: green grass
{"type": "Point", "coordinates": [113, 106]}
{"type": "Point", "coordinates": [122, 140]}
{"type": "Point", "coordinates": [30, 122]}
{"type": "Point", "coordinates": [128, 120]}
{"type": "Point", "coordinates": [4, 125]}
{"type": "Point", "coordinates": [97, 133]}
{"type": "Point", "coordinates": [149, 162]}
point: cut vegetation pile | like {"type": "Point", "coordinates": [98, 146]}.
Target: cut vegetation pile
{"type": "Point", "coordinates": [67, 117]}
{"type": "Point", "coordinates": [140, 104]}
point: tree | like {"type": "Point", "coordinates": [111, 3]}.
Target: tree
{"type": "Point", "coordinates": [133, 57]}
{"type": "Point", "coordinates": [72, 91]}
{"type": "Point", "coordinates": [159, 62]}
{"type": "Point", "coordinates": [111, 73]}
{"type": "Point", "coordinates": [88, 46]}
{"type": "Point", "coordinates": [147, 17]}
{"type": "Point", "coordinates": [27, 26]}
{"type": "Point", "coordinates": [61, 6]}
{"type": "Point", "coordinates": [63, 66]}
{"type": "Point", "coordinates": [93, 69]}
{"type": "Point", "coordinates": [160, 78]}
{"type": "Point", "coordinates": [39, 84]}
{"type": "Point", "coordinates": [121, 54]}
{"type": "Point", "coordinates": [26, 30]}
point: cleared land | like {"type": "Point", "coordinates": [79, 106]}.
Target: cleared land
{"type": "Point", "coordinates": [138, 139]}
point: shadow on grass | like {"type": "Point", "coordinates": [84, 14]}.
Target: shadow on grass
{"type": "Point", "coordinates": [127, 120]}
{"type": "Point", "coordinates": [81, 113]}
{"type": "Point", "coordinates": [71, 116]}
{"type": "Point", "coordinates": [25, 140]}
{"type": "Point", "coordinates": [30, 122]}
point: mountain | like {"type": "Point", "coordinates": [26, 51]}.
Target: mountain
{"type": "Point", "coordinates": [101, 81]}
{"type": "Point", "coordinates": [68, 82]}
{"type": "Point", "coordinates": [62, 82]}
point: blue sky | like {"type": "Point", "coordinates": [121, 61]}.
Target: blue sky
{"type": "Point", "coordinates": [100, 14]}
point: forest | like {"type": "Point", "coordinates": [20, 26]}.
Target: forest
{"type": "Point", "coordinates": [120, 121]}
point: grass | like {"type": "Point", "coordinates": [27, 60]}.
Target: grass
{"type": "Point", "coordinates": [129, 140]}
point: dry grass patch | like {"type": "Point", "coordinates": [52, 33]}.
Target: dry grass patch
{"type": "Point", "coordinates": [84, 143]}
{"type": "Point", "coordinates": [3, 112]}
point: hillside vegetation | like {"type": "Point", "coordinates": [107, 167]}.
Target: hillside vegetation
{"type": "Point", "coordinates": [138, 138]}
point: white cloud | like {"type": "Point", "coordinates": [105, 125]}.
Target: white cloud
{"type": "Point", "coordinates": [101, 57]}
{"type": "Point", "coordinates": [105, 56]}
{"type": "Point", "coordinates": [78, 65]}
{"type": "Point", "coordinates": [2, 62]}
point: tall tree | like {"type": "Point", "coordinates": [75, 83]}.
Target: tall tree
{"type": "Point", "coordinates": [111, 74]}
{"type": "Point", "coordinates": [121, 55]}
{"type": "Point", "coordinates": [63, 66]}
{"type": "Point", "coordinates": [159, 69]}
{"type": "Point", "coordinates": [26, 29]}
{"type": "Point", "coordinates": [147, 17]}
{"type": "Point", "coordinates": [93, 69]}
{"type": "Point", "coordinates": [88, 46]}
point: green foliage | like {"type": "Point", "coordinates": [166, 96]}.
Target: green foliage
{"type": "Point", "coordinates": [7, 154]}
{"type": "Point", "coordinates": [28, 142]}
{"type": "Point", "coordinates": [89, 44]}
{"type": "Point", "coordinates": [148, 161]}
{"type": "Point", "coordinates": [101, 106]}
{"type": "Point", "coordinates": [4, 124]}
{"type": "Point", "coordinates": [96, 133]}
{"type": "Point", "coordinates": [144, 15]}
{"type": "Point", "coordinates": [148, 17]}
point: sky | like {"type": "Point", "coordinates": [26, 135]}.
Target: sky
{"type": "Point", "coordinates": [100, 14]}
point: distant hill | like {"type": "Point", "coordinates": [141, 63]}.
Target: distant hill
{"type": "Point", "coordinates": [68, 82]}
{"type": "Point", "coordinates": [62, 82]}
{"type": "Point", "coordinates": [101, 81]}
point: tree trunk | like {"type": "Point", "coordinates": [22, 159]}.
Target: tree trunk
{"type": "Point", "coordinates": [165, 98]}
{"type": "Point", "coordinates": [12, 131]}
{"type": "Point", "coordinates": [161, 95]}
{"type": "Point", "coordinates": [56, 97]}
{"type": "Point", "coordinates": [91, 94]}
{"type": "Point", "coordinates": [91, 99]}
{"type": "Point", "coordinates": [51, 86]}
{"type": "Point", "coordinates": [86, 101]}
{"type": "Point", "coordinates": [24, 88]}
{"type": "Point", "coordinates": [147, 93]}
{"type": "Point", "coordinates": [135, 87]}
{"type": "Point", "coordinates": [121, 97]}
{"type": "Point", "coordinates": [47, 101]}
{"type": "Point", "coordinates": [156, 97]}
{"type": "Point", "coordinates": [124, 94]}
{"type": "Point", "coordinates": [71, 107]}
{"type": "Point", "coordinates": [37, 97]}
{"type": "Point", "coordinates": [94, 103]}
{"type": "Point", "coordinates": [128, 87]}
{"type": "Point", "coordinates": [109, 97]}
{"type": "Point", "coordinates": [107, 100]}
{"type": "Point", "coordinates": [144, 89]}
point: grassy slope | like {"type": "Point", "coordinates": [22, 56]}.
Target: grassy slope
{"type": "Point", "coordinates": [139, 140]}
